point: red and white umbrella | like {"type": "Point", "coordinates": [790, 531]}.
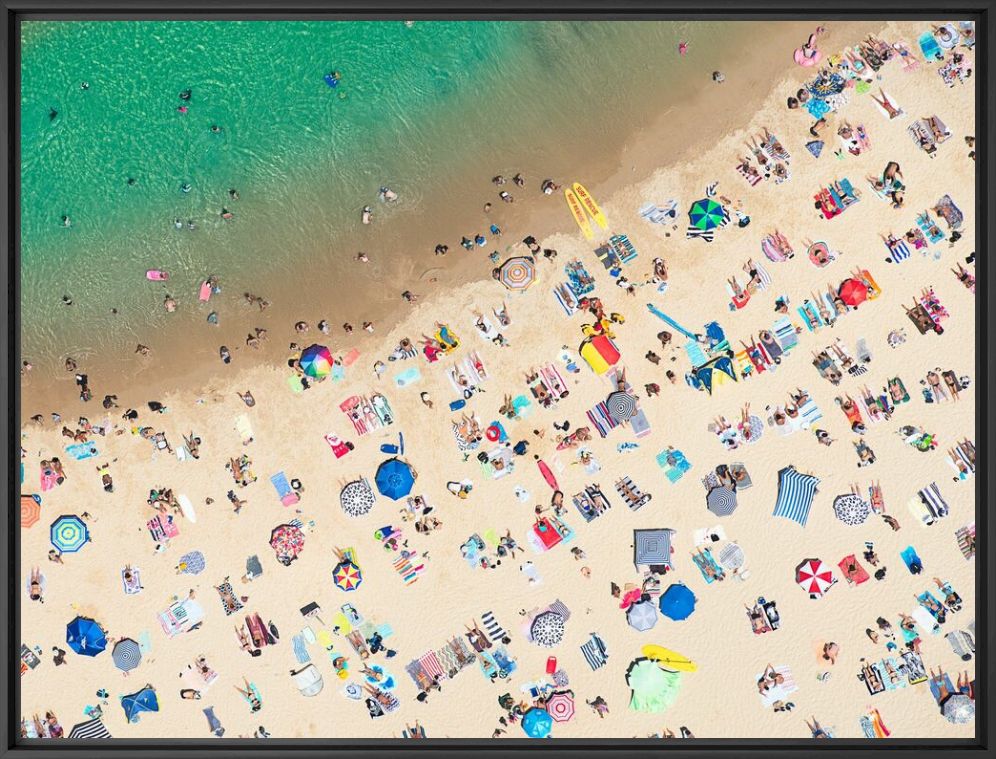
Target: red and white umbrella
{"type": "Point", "coordinates": [814, 577]}
{"type": "Point", "coordinates": [560, 705]}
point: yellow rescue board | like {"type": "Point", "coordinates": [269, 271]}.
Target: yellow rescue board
{"type": "Point", "coordinates": [579, 216]}
{"type": "Point", "coordinates": [590, 205]}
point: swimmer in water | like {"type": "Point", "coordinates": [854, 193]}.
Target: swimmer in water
{"type": "Point", "coordinates": [177, 223]}
{"type": "Point", "coordinates": [226, 214]}
{"type": "Point", "coordinates": [185, 95]}
{"type": "Point", "coordinates": [66, 221]}
{"type": "Point", "coordinates": [132, 181]}
{"type": "Point", "coordinates": [233, 194]}
{"type": "Point", "coordinates": [185, 187]}
{"type": "Point", "coordinates": [367, 215]}
{"type": "Point", "coordinates": [84, 85]}
{"type": "Point", "coordinates": [388, 195]}
{"type": "Point", "coordinates": [52, 114]}
{"type": "Point", "coordinates": [215, 128]}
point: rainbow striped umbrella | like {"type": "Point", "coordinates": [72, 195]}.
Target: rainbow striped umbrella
{"type": "Point", "coordinates": [316, 361]}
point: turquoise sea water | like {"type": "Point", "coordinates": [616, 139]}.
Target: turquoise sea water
{"type": "Point", "coordinates": [417, 106]}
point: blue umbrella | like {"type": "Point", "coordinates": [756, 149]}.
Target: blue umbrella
{"type": "Point", "coordinates": [85, 637]}
{"type": "Point", "coordinates": [677, 602]}
{"type": "Point", "coordinates": [69, 533]}
{"type": "Point", "coordinates": [394, 479]}
{"type": "Point", "coordinates": [537, 723]}
{"type": "Point", "coordinates": [136, 703]}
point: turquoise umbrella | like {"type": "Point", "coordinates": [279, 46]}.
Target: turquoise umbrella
{"type": "Point", "coordinates": [706, 214]}
{"type": "Point", "coordinates": [537, 723]}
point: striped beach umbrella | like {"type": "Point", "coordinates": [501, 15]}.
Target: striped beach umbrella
{"type": "Point", "coordinates": [706, 214]}
{"type": "Point", "coordinates": [731, 556]}
{"type": "Point", "coordinates": [126, 654]}
{"type": "Point", "coordinates": [814, 577]}
{"type": "Point", "coordinates": [517, 273]}
{"type": "Point", "coordinates": [93, 728]}
{"type": "Point", "coordinates": [347, 576]}
{"type": "Point", "coordinates": [851, 509]}
{"type": "Point", "coordinates": [30, 510]}
{"type": "Point", "coordinates": [560, 705]}
{"type": "Point", "coordinates": [621, 405]}
{"type": "Point", "coordinates": [68, 533]}
{"type": "Point", "coordinates": [316, 361]}
{"type": "Point", "coordinates": [652, 547]}
{"type": "Point", "coordinates": [721, 501]}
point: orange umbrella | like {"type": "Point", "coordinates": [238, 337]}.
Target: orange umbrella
{"type": "Point", "coordinates": [30, 510]}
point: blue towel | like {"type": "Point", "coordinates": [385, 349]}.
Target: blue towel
{"type": "Point", "coordinates": [81, 451]}
{"type": "Point", "coordinates": [300, 650]}
{"type": "Point", "coordinates": [280, 482]}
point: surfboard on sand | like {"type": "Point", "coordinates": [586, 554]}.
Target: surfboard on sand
{"type": "Point", "coordinates": [579, 216]}
{"type": "Point", "coordinates": [187, 507]}
{"type": "Point", "coordinates": [590, 205]}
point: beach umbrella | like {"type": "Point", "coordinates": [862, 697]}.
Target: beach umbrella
{"type": "Point", "coordinates": [346, 576]}
{"type": "Point", "coordinates": [357, 498]}
{"type": "Point", "coordinates": [851, 509]}
{"type": "Point", "coordinates": [958, 708]}
{"type": "Point", "coordinates": [287, 541]}
{"type": "Point", "coordinates": [677, 602]}
{"type": "Point", "coordinates": [731, 556]}
{"type": "Point", "coordinates": [85, 636]}
{"type": "Point", "coordinates": [814, 577]}
{"type": "Point", "coordinates": [126, 654]}
{"type": "Point", "coordinates": [621, 405]}
{"type": "Point", "coordinates": [191, 563]}
{"type": "Point", "coordinates": [136, 703]}
{"type": "Point", "coordinates": [560, 705]}
{"type": "Point", "coordinates": [706, 214]}
{"type": "Point", "coordinates": [547, 629]}
{"type": "Point", "coordinates": [68, 533]}
{"type": "Point", "coordinates": [668, 659]}
{"type": "Point", "coordinates": [654, 689]}
{"type": "Point", "coordinates": [853, 292]}
{"type": "Point", "coordinates": [537, 723]}
{"type": "Point", "coordinates": [316, 361]}
{"type": "Point", "coordinates": [517, 273]}
{"type": "Point", "coordinates": [641, 616]}
{"type": "Point", "coordinates": [824, 86]}
{"type": "Point", "coordinates": [652, 547]}
{"type": "Point", "coordinates": [721, 501]}
{"type": "Point", "coordinates": [394, 479]}
{"type": "Point", "coordinates": [30, 510]}
{"type": "Point", "coordinates": [92, 728]}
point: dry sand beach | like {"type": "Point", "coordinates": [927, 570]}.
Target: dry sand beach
{"type": "Point", "coordinates": [726, 691]}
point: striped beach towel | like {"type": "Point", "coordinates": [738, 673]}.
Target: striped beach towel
{"type": "Point", "coordinates": [409, 572]}
{"type": "Point", "coordinates": [494, 630]}
{"type": "Point", "coordinates": [692, 233]}
{"type": "Point", "coordinates": [966, 540]}
{"type": "Point", "coordinates": [93, 729]}
{"type": "Point", "coordinates": [785, 333]}
{"type": "Point", "coordinates": [752, 177]}
{"type": "Point", "coordinates": [558, 607]}
{"type": "Point", "coordinates": [775, 150]}
{"type": "Point", "coordinates": [595, 652]}
{"type": "Point", "coordinates": [764, 279]}
{"type": "Point", "coordinates": [934, 501]}
{"type": "Point", "coordinates": [431, 666]}
{"type": "Point", "coordinates": [566, 298]}
{"type": "Point", "coordinates": [600, 419]}
{"type": "Point", "coordinates": [795, 495]}
{"type": "Point", "coordinates": [623, 248]}
{"type": "Point", "coordinates": [899, 251]}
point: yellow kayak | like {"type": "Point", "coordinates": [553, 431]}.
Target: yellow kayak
{"type": "Point", "coordinates": [669, 659]}
{"type": "Point", "coordinates": [590, 205]}
{"type": "Point", "coordinates": [575, 205]}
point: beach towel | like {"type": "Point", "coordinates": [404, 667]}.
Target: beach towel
{"type": "Point", "coordinates": [285, 493]}
{"type": "Point", "coordinates": [566, 298]}
{"type": "Point", "coordinates": [623, 248]}
{"type": "Point", "coordinates": [947, 210]}
{"type": "Point", "coordinates": [966, 540]}
{"type": "Point", "coordinates": [815, 147]}
{"type": "Point", "coordinates": [409, 376]}
{"type": "Point", "coordinates": [899, 251]}
{"type": "Point", "coordinates": [229, 601]}
{"type": "Point", "coordinates": [244, 428]}
{"type": "Point", "coordinates": [753, 176]}
{"type": "Point", "coordinates": [660, 215]}
{"type": "Point", "coordinates": [595, 652]}
{"type": "Point", "coordinates": [431, 666]}
{"type": "Point", "coordinates": [300, 649]}
{"type": "Point", "coordinates": [82, 451]}
{"type": "Point", "coordinates": [558, 607]}
{"type": "Point", "coordinates": [795, 495]}
{"type": "Point", "coordinates": [494, 630]}
{"type": "Point", "coordinates": [933, 501]}
{"type": "Point", "coordinates": [778, 692]}
{"type": "Point", "coordinates": [932, 231]}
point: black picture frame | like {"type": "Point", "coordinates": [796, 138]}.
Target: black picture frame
{"type": "Point", "coordinates": [14, 11]}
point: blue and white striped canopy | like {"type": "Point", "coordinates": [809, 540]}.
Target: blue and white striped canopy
{"type": "Point", "coordinates": [795, 495]}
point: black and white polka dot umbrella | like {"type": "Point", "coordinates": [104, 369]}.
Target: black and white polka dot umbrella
{"type": "Point", "coordinates": [851, 509]}
{"type": "Point", "coordinates": [357, 498]}
{"type": "Point", "coordinates": [547, 629]}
